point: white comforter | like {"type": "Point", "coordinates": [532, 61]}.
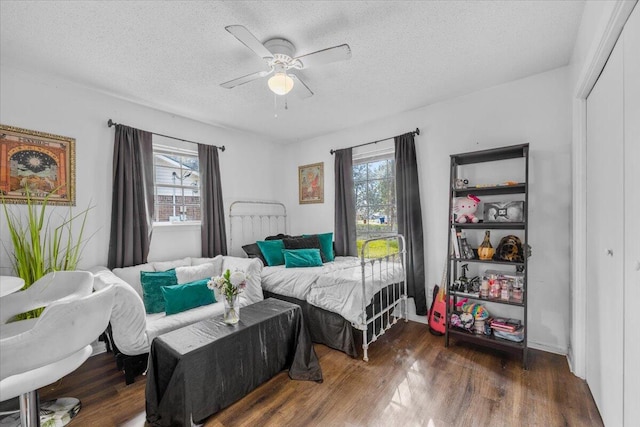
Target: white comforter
{"type": "Point", "coordinates": [336, 286]}
{"type": "Point", "coordinates": [296, 282]}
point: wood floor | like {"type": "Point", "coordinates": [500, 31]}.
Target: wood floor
{"type": "Point", "coordinates": [410, 380]}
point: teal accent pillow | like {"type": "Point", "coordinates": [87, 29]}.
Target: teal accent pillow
{"type": "Point", "coordinates": [302, 258]}
{"type": "Point", "coordinates": [152, 283]}
{"type": "Point", "coordinates": [272, 251]}
{"type": "Point", "coordinates": [326, 245]}
{"type": "Point", "coordinates": [184, 297]}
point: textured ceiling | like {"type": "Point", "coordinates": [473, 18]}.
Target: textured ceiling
{"type": "Point", "coordinates": [173, 55]}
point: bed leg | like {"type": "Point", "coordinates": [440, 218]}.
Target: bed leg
{"type": "Point", "coordinates": [405, 308]}
{"type": "Point", "coordinates": [365, 344]}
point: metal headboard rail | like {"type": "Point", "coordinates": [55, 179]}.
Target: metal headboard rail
{"type": "Point", "coordinates": [253, 212]}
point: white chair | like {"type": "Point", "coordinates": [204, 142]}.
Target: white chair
{"type": "Point", "coordinates": [38, 352]}
{"type": "Point", "coordinates": [49, 288]}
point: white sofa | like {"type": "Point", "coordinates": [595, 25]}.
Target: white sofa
{"type": "Point", "coordinates": [132, 330]}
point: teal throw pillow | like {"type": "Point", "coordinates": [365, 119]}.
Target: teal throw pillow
{"type": "Point", "coordinates": [152, 283]}
{"type": "Point", "coordinates": [184, 297]}
{"type": "Point", "coordinates": [302, 258]}
{"type": "Point", "coordinates": [272, 251]}
{"type": "Point", "coordinates": [326, 246]}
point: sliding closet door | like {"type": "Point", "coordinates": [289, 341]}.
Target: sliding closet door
{"type": "Point", "coordinates": [631, 39]}
{"type": "Point", "coordinates": [605, 233]}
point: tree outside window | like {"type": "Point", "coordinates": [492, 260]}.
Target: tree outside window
{"type": "Point", "coordinates": [375, 195]}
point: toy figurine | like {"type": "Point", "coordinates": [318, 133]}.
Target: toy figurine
{"type": "Point", "coordinates": [464, 209]}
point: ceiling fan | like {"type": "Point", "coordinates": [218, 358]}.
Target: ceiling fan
{"type": "Point", "coordinates": [278, 53]}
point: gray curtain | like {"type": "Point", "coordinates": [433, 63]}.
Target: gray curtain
{"type": "Point", "coordinates": [410, 217]}
{"type": "Point", "coordinates": [345, 206]}
{"type": "Point", "coordinates": [214, 235]}
{"type": "Point", "coordinates": [132, 198]}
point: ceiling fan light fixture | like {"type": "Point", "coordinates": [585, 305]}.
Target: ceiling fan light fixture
{"type": "Point", "coordinates": [280, 83]}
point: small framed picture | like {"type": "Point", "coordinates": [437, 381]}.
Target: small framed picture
{"type": "Point", "coordinates": [311, 183]}
{"type": "Point", "coordinates": [42, 164]}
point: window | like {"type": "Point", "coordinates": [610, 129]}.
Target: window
{"type": "Point", "coordinates": [375, 192]}
{"type": "Point", "coordinates": [176, 184]}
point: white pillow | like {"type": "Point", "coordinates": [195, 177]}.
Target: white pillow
{"type": "Point", "coordinates": [196, 272]}
{"type": "Point", "coordinates": [252, 267]}
{"type": "Point", "coordinates": [131, 275]}
{"type": "Point", "coordinates": [216, 260]}
{"type": "Point", "coordinates": [168, 265]}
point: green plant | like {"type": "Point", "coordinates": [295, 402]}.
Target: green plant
{"type": "Point", "coordinates": [40, 247]}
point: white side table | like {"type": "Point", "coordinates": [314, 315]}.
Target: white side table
{"type": "Point", "coordinates": [10, 284]}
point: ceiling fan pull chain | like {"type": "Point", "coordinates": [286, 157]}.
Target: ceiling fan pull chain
{"type": "Point", "coordinates": [275, 105]}
{"type": "Point", "coordinates": [286, 94]}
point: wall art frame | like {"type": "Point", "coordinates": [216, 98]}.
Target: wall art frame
{"type": "Point", "coordinates": [311, 183]}
{"type": "Point", "coordinates": [42, 162]}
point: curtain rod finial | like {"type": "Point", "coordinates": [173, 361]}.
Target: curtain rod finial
{"type": "Point", "coordinates": [110, 123]}
{"type": "Point", "coordinates": [222, 148]}
{"type": "Point", "coordinates": [417, 131]}
{"type": "Point", "coordinates": [332, 151]}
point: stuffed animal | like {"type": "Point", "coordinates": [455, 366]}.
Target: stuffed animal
{"type": "Point", "coordinates": [462, 320]}
{"type": "Point", "coordinates": [464, 209]}
{"type": "Point", "coordinates": [477, 310]}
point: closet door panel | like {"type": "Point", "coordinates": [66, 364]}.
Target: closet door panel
{"type": "Point", "coordinates": [605, 240]}
{"type": "Point", "coordinates": [631, 39]}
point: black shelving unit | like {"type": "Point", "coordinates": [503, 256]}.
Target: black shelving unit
{"type": "Point", "coordinates": [458, 161]}
{"type": "Point", "coordinates": [494, 225]}
{"type": "Point", "coordinates": [481, 299]}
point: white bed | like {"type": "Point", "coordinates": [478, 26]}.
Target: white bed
{"type": "Point", "coordinates": [296, 282]}
{"type": "Point", "coordinates": [331, 295]}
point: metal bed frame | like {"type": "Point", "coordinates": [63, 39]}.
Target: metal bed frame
{"type": "Point", "coordinates": [257, 219]}
{"type": "Point", "coordinates": [392, 297]}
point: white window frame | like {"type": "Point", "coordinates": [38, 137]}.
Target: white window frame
{"type": "Point", "coordinates": [179, 188]}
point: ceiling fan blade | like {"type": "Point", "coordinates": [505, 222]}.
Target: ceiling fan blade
{"type": "Point", "coordinates": [304, 91]}
{"type": "Point", "coordinates": [245, 79]}
{"type": "Point", "coordinates": [250, 41]}
{"type": "Point", "coordinates": [325, 56]}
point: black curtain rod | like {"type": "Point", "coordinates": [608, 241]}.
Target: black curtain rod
{"type": "Point", "coordinates": [415, 132]}
{"type": "Point", "coordinates": [112, 123]}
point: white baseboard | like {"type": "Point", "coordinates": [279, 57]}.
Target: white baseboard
{"type": "Point", "coordinates": [416, 318]}
{"type": "Point", "coordinates": [411, 312]}
{"type": "Point", "coordinates": [548, 348]}
{"type": "Point", "coordinates": [98, 347]}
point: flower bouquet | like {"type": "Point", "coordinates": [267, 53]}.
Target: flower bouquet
{"type": "Point", "coordinates": [229, 286]}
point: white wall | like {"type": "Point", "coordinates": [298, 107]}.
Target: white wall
{"type": "Point", "coordinates": [601, 24]}
{"type": "Point", "coordinates": [46, 104]}
{"type": "Point", "coordinates": [593, 24]}
{"type": "Point", "coordinates": [535, 110]}
{"type": "Point", "coordinates": [600, 27]}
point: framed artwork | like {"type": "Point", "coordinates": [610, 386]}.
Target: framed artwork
{"type": "Point", "coordinates": [311, 183]}
{"type": "Point", "coordinates": [43, 163]}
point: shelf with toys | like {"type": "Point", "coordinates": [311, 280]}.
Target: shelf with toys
{"type": "Point", "coordinates": [493, 261]}
{"type": "Point", "coordinates": [474, 313]}
{"type": "Point", "coordinates": [488, 340]}
{"type": "Point", "coordinates": [493, 225]}
{"type": "Point", "coordinates": [497, 300]}
{"type": "Point", "coordinates": [490, 190]}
